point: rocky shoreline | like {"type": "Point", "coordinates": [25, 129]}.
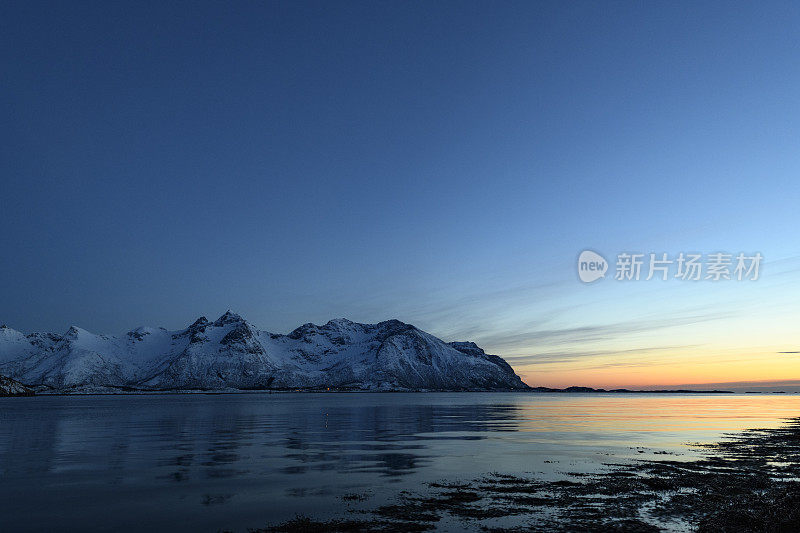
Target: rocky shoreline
{"type": "Point", "coordinates": [11, 387]}
{"type": "Point", "coordinates": [749, 481]}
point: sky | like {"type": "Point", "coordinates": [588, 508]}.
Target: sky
{"type": "Point", "coordinates": [443, 163]}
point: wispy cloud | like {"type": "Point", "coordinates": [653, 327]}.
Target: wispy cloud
{"type": "Point", "coordinates": [576, 336]}
{"type": "Point", "coordinates": [571, 356]}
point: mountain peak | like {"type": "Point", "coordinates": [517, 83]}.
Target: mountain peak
{"type": "Point", "coordinates": [228, 318]}
{"type": "Point", "coordinates": [340, 323]}
{"type": "Point", "coordinates": [74, 331]}
{"type": "Point", "coordinates": [469, 348]}
{"type": "Point", "coordinates": [8, 332]}
{"type": "Point", "coordinates": [394, 326]}
{"type": "Point", "coordinates": [200, 322]}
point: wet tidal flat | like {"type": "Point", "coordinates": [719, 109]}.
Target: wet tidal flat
{"type": "Point", "coordinates": [748, 482]}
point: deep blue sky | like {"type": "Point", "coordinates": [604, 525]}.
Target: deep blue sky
{"type": "Point", "coordinates": [438, 162]}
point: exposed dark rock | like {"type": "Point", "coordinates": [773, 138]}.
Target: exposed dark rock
{"type": "Point", "coordinates": [11, 387]}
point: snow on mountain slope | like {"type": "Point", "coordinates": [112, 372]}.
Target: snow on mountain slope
{"type": "Point", "coordinates": [231, 353]}
{"type": "Point", "coordinates": [13, 344]}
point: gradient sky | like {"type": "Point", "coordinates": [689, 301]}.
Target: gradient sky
{"type": "Point", "coordinates": [441, 163]}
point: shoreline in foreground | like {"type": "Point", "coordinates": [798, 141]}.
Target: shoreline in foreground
{"type": "Point", "coordinates": [750, 481]}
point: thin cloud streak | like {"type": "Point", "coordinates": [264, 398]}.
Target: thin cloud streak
{"type": "Point", "coordinates": [571, 356]}
{"type": "Point", "coordinates": [594, 333]}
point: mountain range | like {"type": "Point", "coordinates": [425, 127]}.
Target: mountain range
{"type": "Point", "coordinates": [229, 353]}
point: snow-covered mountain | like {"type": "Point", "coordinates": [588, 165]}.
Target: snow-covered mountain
{"type": "Point", "coordinates": [230, 354]}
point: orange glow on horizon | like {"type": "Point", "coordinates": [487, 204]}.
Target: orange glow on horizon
{"type": "Point", "coordinates": [691, 367]}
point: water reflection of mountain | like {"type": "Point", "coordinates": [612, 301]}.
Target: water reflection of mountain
{"type": "Point", "coordinates": [237, 459]}
{"type": "Point", "coordinates": [387, 439]}
{"type": "Point", "coordinates": [185, 438]}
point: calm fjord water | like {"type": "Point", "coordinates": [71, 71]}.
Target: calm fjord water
{"type": "Point", "coordinates": [196, 462]}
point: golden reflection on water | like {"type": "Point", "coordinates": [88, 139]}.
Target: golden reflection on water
{"type": "Point", "coordinates": [711, 413]}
